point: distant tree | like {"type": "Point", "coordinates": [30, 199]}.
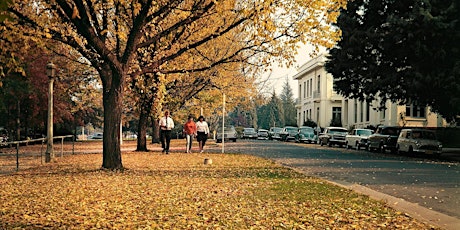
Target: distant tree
{"type": "Point", "coordinates": [288, 102]}
{"type": "Point", "coordinates": [336, 122]}
{"type": "Point", "coordinates": [403, 51]}
{"type": "Point", "coordinates": [310, 123]}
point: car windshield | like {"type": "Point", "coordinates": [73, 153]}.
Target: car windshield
{"type": "Point", "coordinates": [249, 130]}
{"type": "Point", "coordinates": [306, 130]}
{"type": "Point", "coordinates": [390, 131]}
{"type": "Point", "coordinates": [291, 129]}
{"type": "Point", "coordinates": [363, 132]}
{"type": "Point", "coordinates": [338, 131]}
{"type": "Point", "coordinates": [227, 129]}
{"type": "Point", "coordinates": [423, 135]}
{"type": "Point", "coordinates": [277, 130]}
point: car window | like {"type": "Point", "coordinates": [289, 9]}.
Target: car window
{"type": "Point", "coordinates": [416, 134]}
{"type": "Point", "coordinates": [429, 135]}
{"type": "Point", "coordinates": [390, 131]}
{"type": "Point", "coordinates": [337, 131]}
{"type": "Point", "coordinates": [364, 132]}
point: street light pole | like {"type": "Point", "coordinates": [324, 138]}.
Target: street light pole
{"type": "Point", "coordinates": [50, 72]}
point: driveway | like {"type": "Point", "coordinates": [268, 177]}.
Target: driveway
{"type": "Point", "coordinates": [430, 183]}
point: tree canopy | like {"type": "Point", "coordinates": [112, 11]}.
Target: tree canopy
{"type": "Point", "coordinates": [403, 51]}
{"type": "Point", "coordinates": [126, 40]}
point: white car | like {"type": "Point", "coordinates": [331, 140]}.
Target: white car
{"type": "Point", "coordinates": [262, 134]}
{"type": "Point", "coordinates": [418, 141]}
{"type": "Point", "coordinates": [358, 138]}
{"type": "Point", "coordinates": [96, 136]}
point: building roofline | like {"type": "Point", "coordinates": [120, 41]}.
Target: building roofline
{"type": "Point", "coordinates": [310, 65]}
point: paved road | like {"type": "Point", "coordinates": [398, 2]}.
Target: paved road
{"type": "Point", "coordinates": [431, 183]}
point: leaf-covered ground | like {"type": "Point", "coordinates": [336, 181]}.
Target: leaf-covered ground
{"type": "Point", "coordinates": [178, 191]}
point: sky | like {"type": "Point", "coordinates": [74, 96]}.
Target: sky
{"type": "Point", "coordinates": [278, 74]}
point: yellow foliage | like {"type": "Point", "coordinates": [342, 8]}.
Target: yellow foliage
{"type": "Point", "coordinates": [178, 191]}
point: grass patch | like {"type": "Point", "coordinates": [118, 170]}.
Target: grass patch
{"type": "Point", "coordinates": [160, 191]}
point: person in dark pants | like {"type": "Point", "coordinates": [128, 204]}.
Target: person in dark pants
{"type": "Point", "coordinates": [202, 129]}
{"type": "Point", "coordinates": [166, 125]}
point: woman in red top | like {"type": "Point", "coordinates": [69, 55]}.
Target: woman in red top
{"type": "Point", "coordinates": [190, 132]}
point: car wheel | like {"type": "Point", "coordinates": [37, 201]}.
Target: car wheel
{"type": "Point", "coordinates": [410, 151]}
{"type": "Point", "coordinates": [381, 148]}
{"type": "Point", "coordinates": [398, 150]}
{"type": "Point", "coordinates": [234, 140]}
{"type": "Point", "coordinates": [329, 144]}
{"type": "Point", "coordinates": [321, 142]}
{"type": "Point", "coordinates": [357, 147]}
{"type": "Point", "coordinates": [347, 146]}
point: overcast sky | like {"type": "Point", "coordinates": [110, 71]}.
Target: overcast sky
{"type": "Point", "coordinates": [278, 75]}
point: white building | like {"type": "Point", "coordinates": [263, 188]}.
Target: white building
{"type": "Point", "coordinates": [318, 102]}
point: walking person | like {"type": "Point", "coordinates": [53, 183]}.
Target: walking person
{"type": "Point", "coordinates": [166, 125]}
{"type": "Point", "coordinates": [202, 132]}
{"type": "Point", "coordinates": [190, 132]}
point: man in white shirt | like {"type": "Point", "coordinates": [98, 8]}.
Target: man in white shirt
{"type": "Point", "coordinates": [166, 125]}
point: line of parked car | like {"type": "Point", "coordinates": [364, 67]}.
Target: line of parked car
{"type": "Point", "coordinates": [392, 138]}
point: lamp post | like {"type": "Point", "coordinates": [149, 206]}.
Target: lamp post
{"type": "Point", "coordinates": [50, 72]}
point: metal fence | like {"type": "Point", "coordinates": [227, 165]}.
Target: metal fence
{"type": "Point", "coordinates": [26, 154]}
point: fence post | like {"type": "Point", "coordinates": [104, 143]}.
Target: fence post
{"type": "Point", "coordinates": [17, 156]}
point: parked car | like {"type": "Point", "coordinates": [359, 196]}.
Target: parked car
{"type": "Point", "coordinates": [249, 133]}
{"type": "Point", "coordinates": [333, 136]}
{"type": "Point", "coordinates": [96, 136]}
{"type": "Point", "coordinates": [306, 135]}
{"type": "Point", "coordinates": [418, 141]}
{"type": "Point", "coordinates": [384, 138]}
{"type": "Point", "coordinates": [274, 133]}
{"type": "Point", "coordinates": [289, 133]}
{"type": "Point", "coordinates": [358, 138]}
{"type": "Point", "coordinates": [262, 134]}
{"type": "Point", "coordinates": [229, 134]}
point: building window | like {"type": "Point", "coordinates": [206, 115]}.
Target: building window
{"type": "Point", "coordinates": [337, 113]}
{"type": "Point", "coordinates": [415, 111]}
{"type": "Point", "coordinates": [304, 90]}
{"type": "Point", "coordinates": [382, 114]}
{"type": "Point", "coordinates": [300, 90]}
{"type": "Point", "coordinates": [361, 112]}
{"type": "Point", "coordinates": [318, 87]}
{"type": "Point", "coordinates": [356, 110]}
{"type": "Point", "coordinates": [317, 114]}
{"type": "Point", "coordinates": [311, 87]}
{"type": "Point", "coordinates": [368, 112]}
{"type": "Point", "coordinates": [304, 116]}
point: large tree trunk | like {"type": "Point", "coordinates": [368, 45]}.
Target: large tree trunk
{"type": "Point", "coordinates": [156, 131]}
{"type": "Point", "coordinates": [142, 130]}
{"type": "Point", "coordinates": [112, 101]}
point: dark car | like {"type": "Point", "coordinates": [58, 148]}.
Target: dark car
{"type": "Point", "coordinates": [289, 133]}
{"type": "Point", "coordinates": [384, 138]}
{"type": "Point", "coordinates": [274, 133]}
{"type": "Point", "coordinates": [333, 136]}
{"type": "Point", "coordinates": [306, 135]}
{"type": "Point", "coordinates": [249, 133]}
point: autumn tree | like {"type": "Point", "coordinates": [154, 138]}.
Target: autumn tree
{"type": "Point", "coordinates": [114, 35]}
{"type": "Point", "coordinates": [403, 51]}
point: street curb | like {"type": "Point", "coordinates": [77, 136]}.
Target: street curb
{"type": "Point", "coordinates": [414, 210]}
{"type": "Point", "coordinates": [411, 209]}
